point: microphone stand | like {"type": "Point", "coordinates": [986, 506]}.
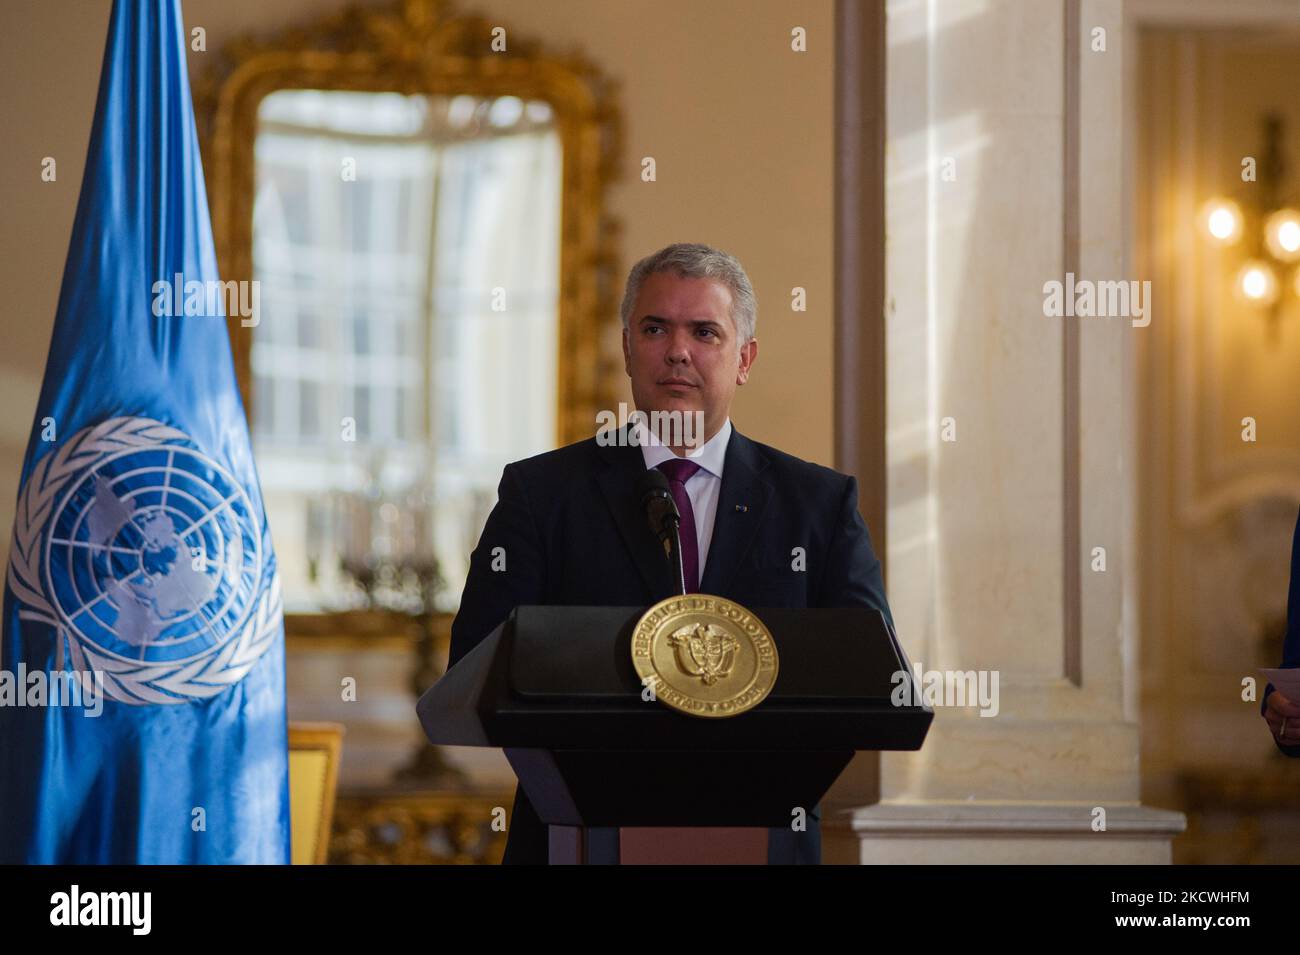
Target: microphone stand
{"type": "Point", "coordinates": [675, 554]}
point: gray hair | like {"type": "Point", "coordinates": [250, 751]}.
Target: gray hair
{"type": "Point", "coordinates": [692, 260]}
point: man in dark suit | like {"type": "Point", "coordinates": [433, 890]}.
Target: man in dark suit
{"type": "Point", "coordinates": [767, 529]}
{"type": "Point", "coordinates": [1281, 713]}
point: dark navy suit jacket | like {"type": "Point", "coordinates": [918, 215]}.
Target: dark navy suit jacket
{"type": "Point", "coordinates": [1291, 648]}
{"type": "Point", "coordinates": [574, 533]}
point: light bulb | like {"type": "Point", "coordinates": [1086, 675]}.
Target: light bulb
{"type": "Point", "coordinates": [1221, 220]}
{"type": "Point", "coordinates": [1256, 283]}
{"type": "Point", "coordinates": [1282, 234]}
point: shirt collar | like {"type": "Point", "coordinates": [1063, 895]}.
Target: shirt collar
{"type": "Point", "coordinates": [709, 457]}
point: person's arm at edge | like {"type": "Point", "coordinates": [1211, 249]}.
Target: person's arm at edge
{"type": "Point", "coordinates": [1291, 647]}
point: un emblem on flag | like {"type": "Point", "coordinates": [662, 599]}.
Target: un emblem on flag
{"type": "Point", "coordinates": [150, 560]}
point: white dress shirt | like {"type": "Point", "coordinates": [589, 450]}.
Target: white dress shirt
{"type": "Point", "coordinates": [702, 487]}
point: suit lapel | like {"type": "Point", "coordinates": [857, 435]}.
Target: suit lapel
{"type": "Point", "coordinates": [621, 468]}
{"type": "Point", "coordinates": [742, 499]}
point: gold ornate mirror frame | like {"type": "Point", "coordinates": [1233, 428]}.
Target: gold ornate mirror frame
{"type": "Point", "coordinates": [420, 47]}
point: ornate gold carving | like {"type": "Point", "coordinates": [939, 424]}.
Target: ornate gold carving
{"type": "Point", "coordinates": [359, 630]}
{"type": "Point", "coordinates": [704, 650]}
{"type": "Point", "coordinates": [422, 828]}
{"type": "Point", "coordinates": [421, 47]}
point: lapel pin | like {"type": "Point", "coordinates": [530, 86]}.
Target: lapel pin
{"type": "Point", "coordinates": [742, 507]}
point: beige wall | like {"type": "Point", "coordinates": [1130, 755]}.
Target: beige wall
{"type": "Point", "coordinates": [740, 127]}
{"type": "Point", "coordinates": [1217, 513]}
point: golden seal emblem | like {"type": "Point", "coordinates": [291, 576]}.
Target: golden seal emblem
{"type": "Point", "coordinates": [704, 655]}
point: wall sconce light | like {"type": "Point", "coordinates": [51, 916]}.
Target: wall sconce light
{"type": "Point", "coordinates": [1271, 228]}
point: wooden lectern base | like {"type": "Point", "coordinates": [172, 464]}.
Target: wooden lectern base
{"type": "Point", "coordinates": [692, 845]}
{"type": "Point", "coordinates": [659, 845]}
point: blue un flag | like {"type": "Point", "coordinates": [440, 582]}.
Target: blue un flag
{"type": "Point", "coordinates": [142, 708]}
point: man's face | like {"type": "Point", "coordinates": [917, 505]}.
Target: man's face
{"type": "Point", "coordinates": [681, 349]}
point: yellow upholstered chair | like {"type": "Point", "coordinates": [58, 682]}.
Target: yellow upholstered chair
{"type": "Point", "coordinates": [314, 750]}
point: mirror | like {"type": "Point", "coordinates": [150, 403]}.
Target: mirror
{"type": "Point", "coordinates": [407, 252]}
{"type": "Point", "coordinates": [421, 210]}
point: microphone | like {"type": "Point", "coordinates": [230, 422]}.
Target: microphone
{"type": "Point", "coordinates": [658, 504]}
{"type": "Point", "coordinates": [664, 519]}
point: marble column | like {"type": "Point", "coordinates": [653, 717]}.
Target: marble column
{"type": "Point", "coordinates": [1011, 470]}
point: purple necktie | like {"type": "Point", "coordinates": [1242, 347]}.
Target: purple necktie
{"type": "Point", "coordinates": [679, 471]}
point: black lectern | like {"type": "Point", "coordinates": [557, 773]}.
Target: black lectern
{"type": "Point", "coordinates": [556, 689]}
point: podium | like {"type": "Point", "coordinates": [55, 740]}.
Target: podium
{"type": "Point", "coordinates": [620, 778]}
